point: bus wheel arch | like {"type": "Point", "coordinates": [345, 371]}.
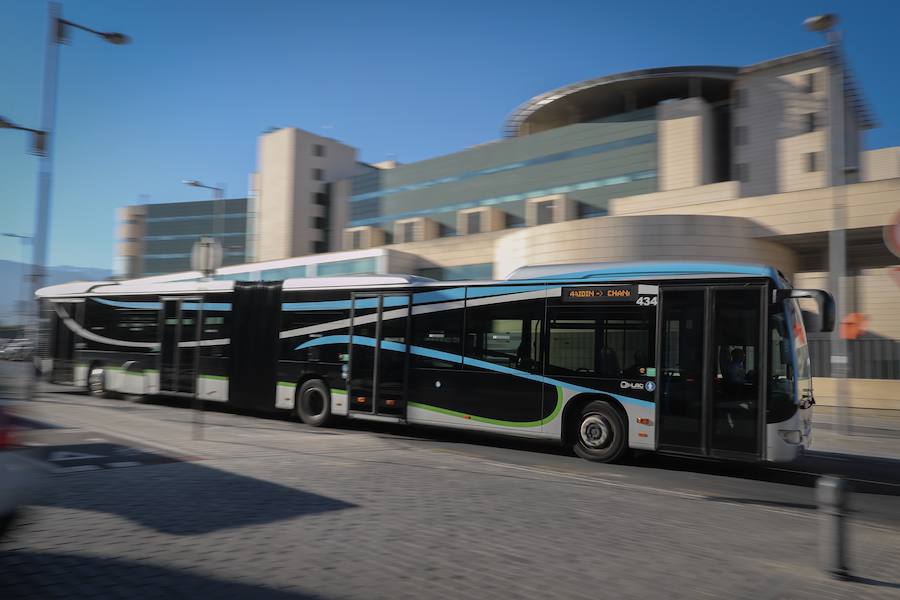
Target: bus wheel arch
{"type": "Point", "coordinates": [595, 427]}
{"type": "Point", "coordinates": [312, 401]}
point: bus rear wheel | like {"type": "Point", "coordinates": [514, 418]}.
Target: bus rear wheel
{"type": "Point", "coordinates": [96, 382]}
{"type": "Point", "coordinates": [599, 433]}
{"type": "Point", "coordinates": [313, 403]}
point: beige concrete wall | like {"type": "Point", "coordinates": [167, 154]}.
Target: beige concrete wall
{"type": "Point", "coordinates": [684, 138]}
{"type": "Point", "coordinates": [877, 295]}
{"type": "Point", "coordinates": [275, 193]}
{"type": "Point", "coordinates": [776, 102]}
{"type": "Point", "coordinates": [863, 393]}
{"type": "Point", "coordinates": [473, 249]}
{"type": "Point", "coordinates": [883, 163]}
{"type": "Point", "coordinates": [670, 237]}
{"type": "Point", "coordinates": [869, 204]}
{"type": "Point", "coordinates": [286, 189]}
{"type": "Point", "coordinates": [130, 232]}
{"type": "Point", "coordinates": [793, 162]}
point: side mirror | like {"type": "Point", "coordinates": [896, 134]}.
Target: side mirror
{"type": "Point", "coordinates": [822, 298]}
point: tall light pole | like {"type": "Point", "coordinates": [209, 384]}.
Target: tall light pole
{"type": "Point", "coordinates": [57, 34]}
{"type": "Point", "coordinates": [837, 235]}
{"type": "Point", "coordinates": [218, 208]}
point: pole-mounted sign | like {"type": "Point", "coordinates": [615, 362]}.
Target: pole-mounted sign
{"type": "Point", "coordinates": [206, 256]}
{"type": "Point", "coordinates": [892, 235]}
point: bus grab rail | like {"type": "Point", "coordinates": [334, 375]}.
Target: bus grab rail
{"type": "Point", "coordinates": [822, 298]}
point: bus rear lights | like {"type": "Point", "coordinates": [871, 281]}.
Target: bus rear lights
{"type": "Point", "coordinates": [644, 421]}
{"type": "Point", "coordinates": [390, 402]}
{"type": "Point", "coordinates": [791, 436]}
{"type": "Point", "coordinates": [360, 399]}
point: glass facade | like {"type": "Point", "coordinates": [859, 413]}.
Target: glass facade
{"type": "Point", "coordinates": [172, 229]}
{"type": "Point", "coordinates": [460, 273]}
{"type": "Point", "coordinates": [589, 162]}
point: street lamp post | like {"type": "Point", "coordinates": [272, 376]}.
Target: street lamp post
{"type": "Point", "coordinates": [57, 33]}
{"type": "Point", "coordinates": [837, 236]}
{"type": "Point", "coordinates": [218, 208]}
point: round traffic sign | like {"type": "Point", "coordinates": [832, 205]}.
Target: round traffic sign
{"type": "Point", "coordinates": [892, 235]}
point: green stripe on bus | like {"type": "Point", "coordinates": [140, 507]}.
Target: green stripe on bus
{"type": "Point", "coordinates": [338, 390]}
{"type": "Point", "coordinates": [287, 383]}
{"type": "Point", "coordinates": [220, 377]}
{"type": "Point", "coordinates": [538, 423]}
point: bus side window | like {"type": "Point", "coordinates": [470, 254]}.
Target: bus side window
{"type": "Point", "coordinates": [441, 331]}
{"type": "Point", "coordinates": [506, 334]}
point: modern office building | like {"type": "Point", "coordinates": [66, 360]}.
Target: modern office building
{"type": "Point", "coordinates": [729, 163]}
{"type": "Point", "coordinates": [292, 196]}
{"type": "Point", "coordinates": [153, 239]}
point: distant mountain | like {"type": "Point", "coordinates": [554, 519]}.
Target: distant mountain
{"type": "Point", "coordinates": [11, 278]}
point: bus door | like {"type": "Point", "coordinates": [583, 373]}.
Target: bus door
{"type": "Point", "coordinates": [711, 388]}
{"type": "Point", "coordinates": [179, 327]}
{"type": "Point", "coordinates": [379, 358]}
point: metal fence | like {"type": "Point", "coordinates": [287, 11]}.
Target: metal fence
{"type": "Point", "coordinates": [876, 358]}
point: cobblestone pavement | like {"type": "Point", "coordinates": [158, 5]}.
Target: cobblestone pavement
{"type": "Point", "coordinates": [268, 508]}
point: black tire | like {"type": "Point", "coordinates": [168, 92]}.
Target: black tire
{"type": "Point", "coordinates": [96, 381]}
{"type": "Point", "coordinates": [599, 433]}
{"type": "Point", "coordinates": [313, 403]}
{"type": "Point", "coordinates": [6, 522]}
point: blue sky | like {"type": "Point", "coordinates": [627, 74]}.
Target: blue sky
{"type": "Point", "coordinates": [408, 80]}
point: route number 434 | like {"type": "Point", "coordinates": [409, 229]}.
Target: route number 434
{"type": "Point", "coordinates": [647, 301]}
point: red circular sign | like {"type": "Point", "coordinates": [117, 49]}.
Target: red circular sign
{"type": "Point", "coordinates": [892, 235]}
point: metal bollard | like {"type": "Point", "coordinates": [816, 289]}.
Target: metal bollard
{"type": "Point", "coordinates": [831, 495]}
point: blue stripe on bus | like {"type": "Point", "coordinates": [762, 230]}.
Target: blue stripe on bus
{"type": "Point", "coordinates": [439, 295]}
{"type": "Point", "coordinates": [118, 304]}
{"type": "Point", "coordinates": [457, 359]}
{"type": "Point", "coordinates": [501, 290]}
{"type": "Point", "coordinates": [389, 301]}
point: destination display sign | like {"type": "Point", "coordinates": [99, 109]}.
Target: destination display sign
{"type": "Point", "coordinates": [618, 293]}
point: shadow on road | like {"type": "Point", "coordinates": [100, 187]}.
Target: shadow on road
{"type": "Point", "coordinates": [39, 575]}
{"type": "Point", "coordinates": [187, 498]}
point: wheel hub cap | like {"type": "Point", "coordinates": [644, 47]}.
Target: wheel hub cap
{"type": "Point", "coordinates": [595, 432]}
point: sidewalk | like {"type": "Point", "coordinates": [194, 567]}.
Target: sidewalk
{"type": "Point", "coordinates": [873, 432]}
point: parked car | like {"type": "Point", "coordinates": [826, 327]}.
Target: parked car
{"type": "Point", "coordinates": [20, 349]}
{"type": "Point", "coordinates": [21, 476]}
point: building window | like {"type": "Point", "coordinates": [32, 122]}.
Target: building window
{"type": "Point", "coordinates": [320, 246]}
{"type": "Point", "coordinates": [740, 135]}
{"type": "Point", "coordinates": [318, 174]}
{"type": "Point", "coordinates": [740, 98]}
{"type": "Point", "coordinates": [318, 150]}
{"type": "Point", "coordinates": [318, 223]}
{"type": "Point", "coordinates": [473, 222]}
{"type": "Point", "coordinates": [811, 81]}
{"type": "Point", "coordinates": [811, 122]}
{"type": "Point", "coordinates": [544, 212]}
{"type": "Point", "coordinates": [320, 198]}
{"type": "Point", "coordinates": [812, 162]}
{"type": "Point", "coordinates": [742, 172]}
{"type": "Point", "coordinates": [355, 240]}
{"type": "Point", "coordinates": [409, 231]}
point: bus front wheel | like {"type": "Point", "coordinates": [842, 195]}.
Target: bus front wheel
{"type": "Point", "coordinates": [313, 403]}
{"type": "Point", "coordinates": [599, 433]}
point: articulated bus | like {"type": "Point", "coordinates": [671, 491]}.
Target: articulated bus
{"type": "Point", "coordinates": [704, 359]}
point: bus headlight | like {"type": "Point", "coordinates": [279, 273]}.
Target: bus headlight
{"type": "Point", "coordinates": [791, 436]}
